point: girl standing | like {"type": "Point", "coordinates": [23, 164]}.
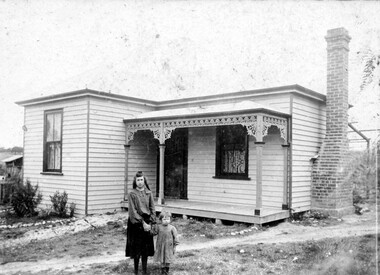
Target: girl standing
{"type": "Point", "coordinates": [141, 215]}
{"type": "Point", "coordinates": [167, 241]}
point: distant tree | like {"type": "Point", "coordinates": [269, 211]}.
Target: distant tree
{"type": "Point", "coordinates": [17, 149]}
{"type": "Point", "coordinates": [371, 64]}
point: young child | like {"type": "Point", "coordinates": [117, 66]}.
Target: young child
{"type": "Point", "coordinates": [167, 241]}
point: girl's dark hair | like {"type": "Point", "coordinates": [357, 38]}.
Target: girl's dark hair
{"type": "Point", "coordinates": [138, 175]}
{"type": "Point", "coordinates": [164, 214]}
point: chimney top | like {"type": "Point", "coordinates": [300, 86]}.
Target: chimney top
{"type": "Point", "coordinates": [337, 31]}
{"type": "Point", "coordinates": [337, 34]}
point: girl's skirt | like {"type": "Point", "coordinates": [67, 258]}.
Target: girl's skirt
{"type": "Point", "coordinates": [139, 242]}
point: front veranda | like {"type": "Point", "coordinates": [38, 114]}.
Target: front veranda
{"type": "Point", "coordinates": [223, 166]}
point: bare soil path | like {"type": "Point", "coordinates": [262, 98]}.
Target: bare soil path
{"type": "Point", "coordinates": [286, 232]}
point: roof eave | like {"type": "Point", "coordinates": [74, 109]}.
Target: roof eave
{"type": "Point", "coordinates": [295, 88]}
{"type": "Point", "coordinates": [83, 93]}
{"type": "Point", "coordinates": [162, 104]}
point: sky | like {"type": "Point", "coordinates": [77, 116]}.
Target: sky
{"type": "Point", "coordinates": [175, 49]}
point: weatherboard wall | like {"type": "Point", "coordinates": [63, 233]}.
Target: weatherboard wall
{"type": "Point", "coordinates": [308, 130]}
{"type": "Point", "coordinates": [143, 156]}
{"type": "Point", "coordinates": [73, 151]}
{"type": "Point", "coordinates": [106, 161]}
{"type": "Point", "coordinates": [273, 167]}
{"type": "Point", "coordinates": [203, 186]}
{"type": "Point", "coordinates": [105, 135]}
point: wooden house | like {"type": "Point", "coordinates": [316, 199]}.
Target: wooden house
{"type": "Point", "coordinates": [228, 150]}
{"type": "Point", "coordinates": [243, 156]}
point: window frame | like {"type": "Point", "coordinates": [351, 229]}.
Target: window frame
{"type": "Point", "coordinates": [45, 169]}
{"type": "Point", "coordinates": [218, 155]}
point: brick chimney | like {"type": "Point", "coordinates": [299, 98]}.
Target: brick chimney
{"type": "Point", "coordinates": [331, 191]}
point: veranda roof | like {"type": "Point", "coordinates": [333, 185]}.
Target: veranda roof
{"type": "Point", "coordinates": [257, 118]}
{"type": "Point", "coordinates": [241, 107]}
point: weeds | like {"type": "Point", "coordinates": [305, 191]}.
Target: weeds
{"type": "Point", "coordinates": [310, 217]}
{"type": "Point", "coordinates": [362, 174]}
{"type": "Point", "coordinates": [205, 228]}
{"type": "Point", "coordinates": [59, 202]}
{"type": "Point", "coordinates": [25, 199]}
{"type": "Point", "coordinates": [72, 209]}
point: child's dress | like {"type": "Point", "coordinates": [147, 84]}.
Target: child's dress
{"type": "Point", "coordinates": [167, 239]}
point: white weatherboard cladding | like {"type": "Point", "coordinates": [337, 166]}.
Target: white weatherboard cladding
{"type": "Point", "coordinates": [106, 158]}
{"type": "Point", "coordinates": [308, 130]}
{"type": "Point", "coordinates": [273, 172]}
{"type": "Point", "coordinates": [201, 170]}
{"type": "Point", "coordinates": [143, 156]}
{"type": "Point", "coordinates": [73, 151]}
{"type": "Point", "coordinates": [106, 153]}
{"type": "Point", "coordinates": [202, 185]}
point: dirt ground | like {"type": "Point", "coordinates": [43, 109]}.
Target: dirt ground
{"type": "Point", "coordinates": [70, 247]}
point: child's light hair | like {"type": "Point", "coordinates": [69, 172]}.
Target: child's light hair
{"type": "Point", "coordinates": [165, 214]}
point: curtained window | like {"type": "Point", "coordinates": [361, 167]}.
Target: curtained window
{"type": "Point", "coordinates": [231, 152]}
{"type": "Point", "coordinates": [53, 141]}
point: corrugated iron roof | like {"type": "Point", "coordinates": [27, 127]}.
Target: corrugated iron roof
{"type": "Point", "coordinates": [85, 92]}
{"type": "Point", "coordinates": [207, 110]}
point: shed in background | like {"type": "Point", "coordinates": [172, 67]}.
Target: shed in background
{"type": "Point", "coordinates": [12, 175]}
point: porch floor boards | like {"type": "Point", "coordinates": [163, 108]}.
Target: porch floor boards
{"type": "Point", "coordinates": [238, 213]}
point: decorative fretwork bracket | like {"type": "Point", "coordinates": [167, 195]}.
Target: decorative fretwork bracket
{"type": "Point", "coordinates": [280, 123]}
{"type": "Point", "coordinates": [256, 125]}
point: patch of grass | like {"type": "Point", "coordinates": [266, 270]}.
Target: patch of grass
{"type": "Point", "coordinates": [290, 258]}
{"type": "Point", "coordinates": [346, 255]}
{"type": "Point", "coordinates": [186, 254]}
{"type": "Point", "coordinates": [124, 267]}
{"type": "Point", "coordinates": [120, 268]}
{"type": "Point", "coordinates": [211, 235]}
{"type": "Point", "coordinates": [330, 256]}
{"type": "Point", "coordinates": [10, 218]}
{"type": "Point", "coordinates": [351, 255]}
{"type": "Point", "coordinates": [81, 244]}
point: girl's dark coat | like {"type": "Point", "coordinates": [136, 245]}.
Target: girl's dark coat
{"type": "Point", "coordinates": [139, 242]}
